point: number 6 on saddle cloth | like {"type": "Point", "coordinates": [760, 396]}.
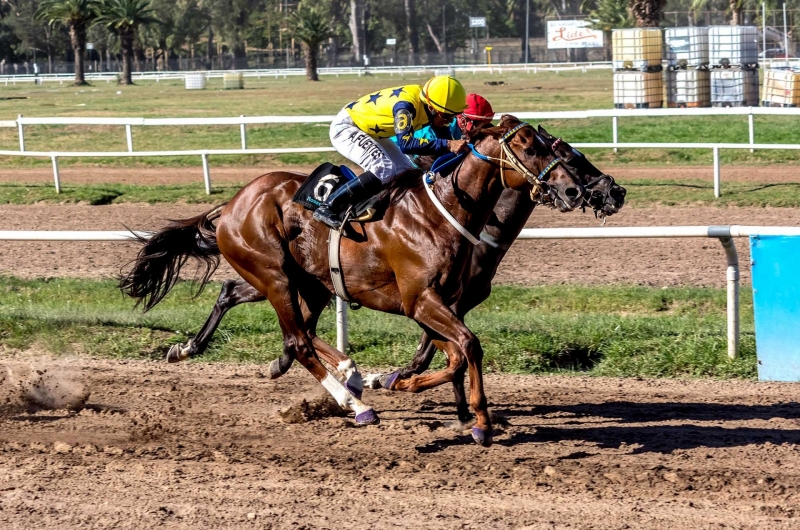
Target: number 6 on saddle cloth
{"type": "Point", "coordinates": [323, 181]}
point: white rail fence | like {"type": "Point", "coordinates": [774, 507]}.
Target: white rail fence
{"type": "Point", "coordinates": [724, 233]}
{"type": "Point", "coordinates": [242, 121]}
{"type": "Point", "coordinates": [108, 77]}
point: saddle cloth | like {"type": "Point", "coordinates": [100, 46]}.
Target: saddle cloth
{"type": "Point", "coordinates": [322, 182]}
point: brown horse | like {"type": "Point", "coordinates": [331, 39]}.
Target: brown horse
{"type": "Point", "coordinates": [409, 262]}
{"type": "Point", "coordinates": [510, 214]}
{"type": "Point", "coordinates": [604, 196]}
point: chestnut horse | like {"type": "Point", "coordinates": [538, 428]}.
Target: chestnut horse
{"type": "Point", "coordinates": [510, 214]}
{"type": "Point", "coordinates": [409, 262]}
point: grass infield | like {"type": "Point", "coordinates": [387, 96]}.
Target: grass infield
{"type": "Point", "coordinates": [612, 331]}
{"type": "Point", "coordinates": [546, 91]}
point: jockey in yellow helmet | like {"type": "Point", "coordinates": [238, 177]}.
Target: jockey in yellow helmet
{"type": "Point", "coordinates": [362, 132]}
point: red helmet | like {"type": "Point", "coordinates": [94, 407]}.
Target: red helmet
{"type": "Point", "coordinates": [478, 111]}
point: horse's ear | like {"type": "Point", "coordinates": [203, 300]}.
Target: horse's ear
{"type": "Point", "coordinates": [540, 144]}
{"type": "Point", "coordinates": [543, 132]}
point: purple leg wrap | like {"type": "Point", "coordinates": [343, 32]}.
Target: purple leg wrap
{"type": "Point", "coordinates": [482, 437]}
{"type": "Point", "coordinates": [389, 380]}
{"type": "Point", "coordinates": [368, 417]}
{"type": "Point", "coordinates": [356, 392]}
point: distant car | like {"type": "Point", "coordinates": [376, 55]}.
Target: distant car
{"type": "Point", "coordinates": [773, 53]}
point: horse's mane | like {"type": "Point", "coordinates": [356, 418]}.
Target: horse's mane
{"type": "Point", "coordinates": [407, 180]}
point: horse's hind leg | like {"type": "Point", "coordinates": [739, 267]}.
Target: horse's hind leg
{"type": "Point", "coordinates": [312, 304]}
{"type": "Point", "coordinates": [233, 293]}
{"type": "Point", "coordinates": [298, 344]}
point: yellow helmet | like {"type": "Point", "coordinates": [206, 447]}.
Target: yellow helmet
{"type": "Point", "coordinates": [445, 94]}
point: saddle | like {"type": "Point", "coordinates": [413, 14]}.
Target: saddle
{"type": "Point", "coordinates": [326, 179]}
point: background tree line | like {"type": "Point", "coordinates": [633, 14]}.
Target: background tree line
{"type": "Point", "coordinates": [127, 32]}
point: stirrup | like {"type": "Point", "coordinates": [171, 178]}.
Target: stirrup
{"type": "Point", "coordinates": [327, 220]}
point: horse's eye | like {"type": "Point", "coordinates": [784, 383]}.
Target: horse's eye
{"type": "Point", "coordinates": [530, 151]}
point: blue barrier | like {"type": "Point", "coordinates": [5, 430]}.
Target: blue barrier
{"type": "Point", "coordinates": [776, 303]}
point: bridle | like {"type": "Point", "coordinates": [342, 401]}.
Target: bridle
{"type": "Point", "coordinates": [568, 163]}
{"type": "Point", "coordinates": [509, 160]}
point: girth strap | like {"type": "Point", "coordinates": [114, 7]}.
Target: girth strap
{"type": "Point", "coordinates": [335, 264]}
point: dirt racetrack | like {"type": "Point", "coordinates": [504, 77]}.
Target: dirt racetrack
{"type": "Point", "coordinates": [657, 262]}
{"type": "Point", "coordinates": [200, 446]}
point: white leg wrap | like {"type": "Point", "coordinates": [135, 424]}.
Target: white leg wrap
{"type": "Point", "coordinates": [373, 380]}
{"type": "Point", "coordinates": [342, 396]}
{"type": "Point", "coordinates": [351, 374]}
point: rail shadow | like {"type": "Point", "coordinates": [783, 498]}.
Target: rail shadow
{"type": "Point", "coordinates": [657, 438]}
{"type": "Point", "coordinates": [635, 412]}
{"type": "Point", "coordinates": [606, 426]}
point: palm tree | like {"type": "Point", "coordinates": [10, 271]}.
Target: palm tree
{"type": "Point", "coordinates": [648, 13]}
{"type": "Point", "coordinates": [125, 17]}
{"type": "Point", "coordinates": [312, 28]}
{"type": "Point", "coordinates": [78, 16]}
{"type": "Point", "coordinates": [607, 16]}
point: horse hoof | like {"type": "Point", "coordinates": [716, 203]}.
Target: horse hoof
{"type": "Point", "coordinates": [275, 369]}
{"type": "Point", "coordinates": [368, 417]}
{"type": "Point", "coordinates": [356, 392]}
{"type": "Point", "coordinates": [482, 437]}
{"type": "Point", "coordinates": [389, 379]}
{"type": "Point", "coordinates": [175, 354]}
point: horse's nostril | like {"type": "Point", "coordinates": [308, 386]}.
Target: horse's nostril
{"type": "Point", "coordinates": [572, 193]}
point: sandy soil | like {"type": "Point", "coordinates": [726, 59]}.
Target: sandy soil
{"type": "Point", "coordinates": [240, 175]}
{"type": "Point", "coordinates": [648, 262]}
{"type": "Point", "coordinates": [197, 445]}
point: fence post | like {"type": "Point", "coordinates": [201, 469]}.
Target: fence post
{"type": "Point", "coordinates": [716, 173]}
{"type": "Point", "coordinates": [614, 131]}
{"type": "Point", "coordinates": [751, 127]}
{"type": "Point", "coordinates": [733, 295]}
{"type": "Point", "coordinates": [341, 326]}
{"type": "Point", "coordinates": [206, 173]}
{"type": "Point", "coordinates": [20, 133]}
{"type": "Point", "coordinates": [243, 133]}
{"type": "Point", "coordinates": [56, 178]}
{"type": "Point", "coordinates": [129, 137]}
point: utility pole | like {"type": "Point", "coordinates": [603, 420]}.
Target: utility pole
{"type": "Point", "coordinates": [527, 23]}
{"type": "Point", "coordinates": [286, 13]}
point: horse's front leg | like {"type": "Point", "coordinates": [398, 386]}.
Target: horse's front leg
{"type": "Point", "coordinates": [463, 352]}
{"type": "Point", "coordinates": [233, 293]}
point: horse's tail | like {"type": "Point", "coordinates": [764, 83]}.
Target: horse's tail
{"type": "Point", "coordinates": [157, 265]}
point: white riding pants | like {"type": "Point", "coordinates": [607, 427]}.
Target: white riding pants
{"type": "Point", "coordinates": [381, 156]}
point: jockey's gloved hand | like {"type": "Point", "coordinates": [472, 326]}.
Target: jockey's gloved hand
{"type": "Point", "coordinates": [457, 146]}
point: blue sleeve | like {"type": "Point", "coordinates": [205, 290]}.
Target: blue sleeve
{"type": "Point", "coordinates": [405, 137]}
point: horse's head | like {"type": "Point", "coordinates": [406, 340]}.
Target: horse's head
{"type": "Point", "coordinates": [526, 159]}
{"type": "Point", "coordinates": [604, 195]}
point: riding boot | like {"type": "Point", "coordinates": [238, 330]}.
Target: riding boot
{"type": "Point", "coordinates": [353, 192]}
